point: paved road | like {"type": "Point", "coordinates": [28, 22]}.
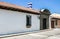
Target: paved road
{"type": "Point", "coordinates": [53, 34]}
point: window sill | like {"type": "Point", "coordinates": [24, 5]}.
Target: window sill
{"type": "Point", "coordinates": [28, 26]}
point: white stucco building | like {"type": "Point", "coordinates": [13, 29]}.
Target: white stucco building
{"type": "Point", "coordinates": [16, 19]}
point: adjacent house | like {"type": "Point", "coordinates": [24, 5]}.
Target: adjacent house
{"type": "Point", "coordinates": [55, 20]}
{"type": "Point", "coordinates": [16, 19]}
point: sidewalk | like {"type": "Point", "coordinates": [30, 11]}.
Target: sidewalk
{"type": "Point", "coordinates": [42, 34]}
{"type": "Point", "coordinates": [19, 34]}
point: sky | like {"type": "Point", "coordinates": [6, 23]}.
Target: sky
{"type": "Point", "coordinates": [52, 5]}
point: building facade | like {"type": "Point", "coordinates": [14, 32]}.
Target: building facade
{"type": "Point", "coordinates": [44, 19]}
{"type": "Point", "coordinates": [55, 20]}
{"type": "Point", "coordinates": [17, 19]}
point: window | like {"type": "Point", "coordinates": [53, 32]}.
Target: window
{"type": "Point", "coordinates": [28, 21]}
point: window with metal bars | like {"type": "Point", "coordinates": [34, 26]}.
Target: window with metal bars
{"type": "Point", "coordinates": [28, 21]}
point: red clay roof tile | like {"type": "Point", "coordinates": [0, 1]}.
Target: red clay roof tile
{"type": "Point", "coordinates": [18, 7]}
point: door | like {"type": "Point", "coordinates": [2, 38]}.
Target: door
{"type": "Point", "coordinates": [44, 23]}
{"type": "Point", "coordinates": [52, 24]}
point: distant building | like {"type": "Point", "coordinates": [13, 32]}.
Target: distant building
{"type": "Point", "coordinates": [55, 20]}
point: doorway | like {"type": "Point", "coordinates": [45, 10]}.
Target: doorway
{"type": "Point", "coordinates": [44, 23]}
{"type": "Point", "coordinates": [52, 24]}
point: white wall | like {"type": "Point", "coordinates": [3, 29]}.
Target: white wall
{"type": "Point", "coordinates": [12, 21]}
{"type": "Point", "coordinates": [49, 22]}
